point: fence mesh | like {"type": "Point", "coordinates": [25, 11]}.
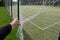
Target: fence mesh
{"type": "Point", "coordinates": [40, 18]}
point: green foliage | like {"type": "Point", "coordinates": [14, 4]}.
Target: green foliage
{"type": "Point", "coordinates": [2, 3]}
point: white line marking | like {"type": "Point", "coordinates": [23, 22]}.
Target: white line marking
{"type": "Point", "coordinates": [51, 25]}
{"type": "Point", "coordinates": [45, 27]}
{"type": "Point", "coordinates": [36, 26]}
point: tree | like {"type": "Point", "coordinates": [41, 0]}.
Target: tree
{"type": "Point", "coordinates": [2, 2]}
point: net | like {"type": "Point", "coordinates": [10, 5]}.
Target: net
{"type": "Point", "coordinates": [40, 19]}
{"type": "Point", "coordinates": [43, 20]}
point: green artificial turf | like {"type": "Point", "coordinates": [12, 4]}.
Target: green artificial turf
{"type": "Point", "coordinates": [6, 19]}
{"type": "Point", "coordinates": [48, 16]}
{"type": "Point", "coordinates": [48, 19]}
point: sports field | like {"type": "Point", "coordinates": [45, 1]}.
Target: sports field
{"type": "Point", "coordinates": [38, 27]}
{"type": "Point", "coordinates": [45, 25]}
{"type": "Point", "coordinates": [5, 19]}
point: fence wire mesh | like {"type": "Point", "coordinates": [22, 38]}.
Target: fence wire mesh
{"type": "Point", "coordinates": [41, 18]}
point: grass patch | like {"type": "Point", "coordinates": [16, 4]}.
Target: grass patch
{"type": "Point", "coordinates": [6, 19]}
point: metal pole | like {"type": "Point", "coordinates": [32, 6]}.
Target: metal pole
{"type": "Point", "coordinates": [20, 18]}
{"type": "Point", "coordinates": [18, 9]}
{"type": "Point", "coordinates": [11, 9]}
